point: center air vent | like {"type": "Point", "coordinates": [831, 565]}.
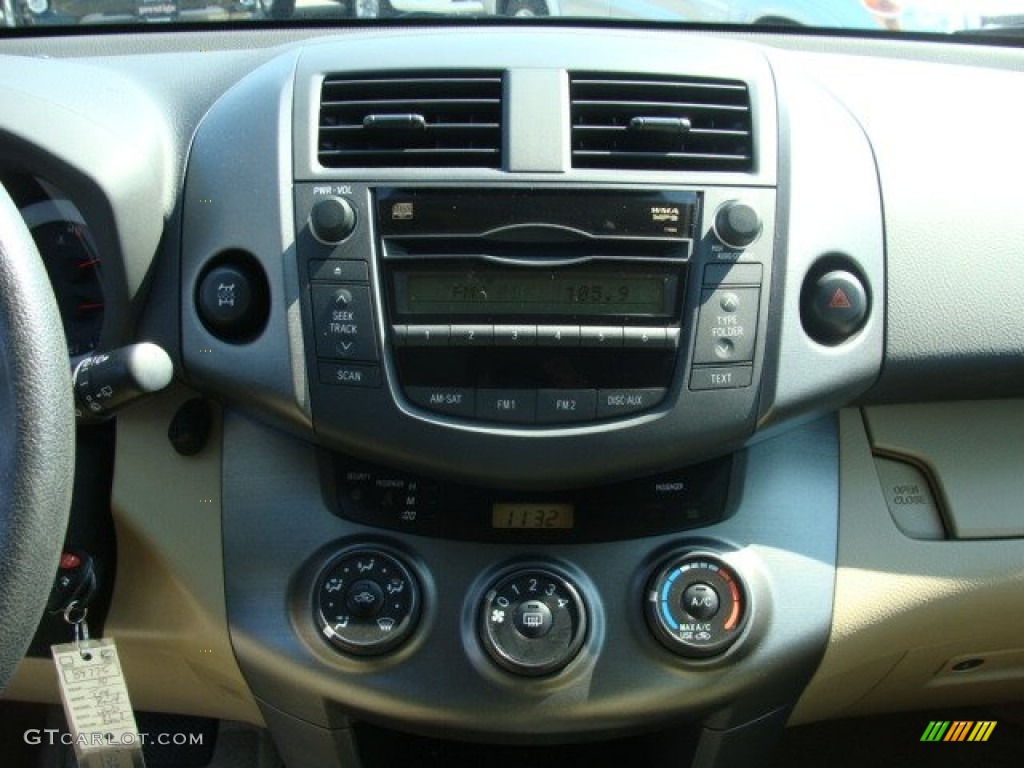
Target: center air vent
{"type": "Point", "coordinates": [412, 119]}
{"type": "Point", "coordinates": [655, 123]}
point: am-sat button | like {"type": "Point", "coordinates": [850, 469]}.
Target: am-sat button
{"type": "Point", "coordinates": [621, 402]}
{"type": "Point", "coordinates": [455, 401]}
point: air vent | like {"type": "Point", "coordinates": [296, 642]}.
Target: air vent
{"type": "Point", "coordinates": [411, 120]}
{"type": "Point", "coordinates": [658, 123]}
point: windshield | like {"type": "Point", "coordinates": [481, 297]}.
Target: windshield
{"type": "Point", "coordinates": [936, 16]}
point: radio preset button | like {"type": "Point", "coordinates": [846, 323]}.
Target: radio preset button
{"type": "Point", "coordinates": [472, 335]}
{"type": "Point", "coordinates": [566, 406]}
{"type": "Point", "coordinates": [612, 403]}
{"type": "Point", "coordinates": [558, 335]}
{"type": "Point", "coordinates": [455, 401]}
{"type": "Point", "coordinates": [727, 327]}
{"type": "Point", "coordinates": [427, 335]}
{"type": "Point", "coordinates": [343, 322]}
{"type": "Point", "coordinates": [644, 338]}
{"type": "Point", "coordinates": [600, 336]}
{"type": "Point", "coordinates": [509, 406]}
{"type": "Point", "coordinates": [515, 335]}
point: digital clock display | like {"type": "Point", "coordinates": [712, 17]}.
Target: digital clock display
{"type": "Point", "coordinates": [540, 292]}
{"type": "Point", "coordinates": [532, 516]}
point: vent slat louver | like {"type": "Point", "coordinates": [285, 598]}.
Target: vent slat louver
{"type": "Point", "coordinates": [660, 123]}
{"type": "Point", "coordinates": [411, 120]}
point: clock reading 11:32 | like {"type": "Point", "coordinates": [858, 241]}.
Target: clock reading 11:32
{"type": "Point", "coordinates": [531, 515]}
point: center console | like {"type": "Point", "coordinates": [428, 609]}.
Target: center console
{"type": "Point", "coordinates": [503, 457]}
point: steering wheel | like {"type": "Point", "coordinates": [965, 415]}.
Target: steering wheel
{"type": "Point", "coordinates": [37, 437]}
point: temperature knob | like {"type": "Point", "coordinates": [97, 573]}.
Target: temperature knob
{"type": "Point", "coordinates": [696, 605]}
{"type": "Point", "coordinates": [332, 220]}
{"type": "Point", "coordinates": [533, 622]}
{"type": "Point", "coordinates": [366, 602]}
{"type": "Point", "coordinates": [737, 224]}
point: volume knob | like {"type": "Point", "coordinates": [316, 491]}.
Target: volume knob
{"type": "Point", "coordinates": [332, 220]}
{"type": "Point", "coordinates": [737, 224]}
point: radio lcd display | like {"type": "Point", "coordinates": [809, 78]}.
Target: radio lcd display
{"type": "Point", "coordinates": [534, 292]}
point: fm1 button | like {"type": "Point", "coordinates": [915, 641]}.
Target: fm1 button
{"type": "Point", "coordinates": [833, 306]}
{"type": "Point", "coordinates": [533, 619]}
{"type": "Point", "coordinates": [700, 601]}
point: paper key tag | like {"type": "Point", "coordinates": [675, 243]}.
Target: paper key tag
{"type": "Point", "coordinates": [96, 704]}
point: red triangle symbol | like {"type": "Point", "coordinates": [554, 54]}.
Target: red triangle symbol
{"type": "Point", "coordinates": [839, 300]}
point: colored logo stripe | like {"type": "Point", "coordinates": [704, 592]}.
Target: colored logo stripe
{"type": "Point", "coordinates": [958, 730]}
{"type": "Point", "coordinates": [982, 730]}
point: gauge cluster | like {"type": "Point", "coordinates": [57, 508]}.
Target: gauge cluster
{"type": "Point", "coordinates": [72, 260]}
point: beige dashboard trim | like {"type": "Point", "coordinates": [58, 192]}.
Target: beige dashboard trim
{"type": "Point", "coordinates": [168, 610]}
{"type": "Point", "coordinates": [905, 608]}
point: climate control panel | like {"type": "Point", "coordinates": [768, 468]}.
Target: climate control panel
{"type": "Point", "coordinates": [532, 620]}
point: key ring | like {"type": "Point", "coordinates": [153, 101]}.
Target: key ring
{"type": "Point", "coordinates": [80, 625]}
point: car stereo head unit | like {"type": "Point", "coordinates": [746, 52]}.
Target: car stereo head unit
{"type": "Point", "coordinates": [542, 308]}
{"type": "Point", "coordinates": [522, 306]}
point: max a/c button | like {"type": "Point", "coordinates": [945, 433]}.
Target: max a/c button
{"type": "Point", "coordinates": [721, 377]}
{"type": "Point", "coordinates": [620, 402]}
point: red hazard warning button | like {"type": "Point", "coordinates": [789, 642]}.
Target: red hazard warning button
{"type": "Point", "coordinates": [834, 306]}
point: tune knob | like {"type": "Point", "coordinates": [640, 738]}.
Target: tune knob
{"type": "Point", "coordinates": [737, 224]}
{"type": "Point", "coordinates": [332, 220]}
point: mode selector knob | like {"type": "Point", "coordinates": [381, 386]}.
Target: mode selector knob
{"type": "Point", "coordinates": [332, 220]}
{"type": "Point", "coordinates": [737, 224]}
{"type": "Point", "coordinates": [366, 602]}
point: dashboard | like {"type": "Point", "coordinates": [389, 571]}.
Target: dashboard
{"type": "Point", "coordinates": [556, 387]}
